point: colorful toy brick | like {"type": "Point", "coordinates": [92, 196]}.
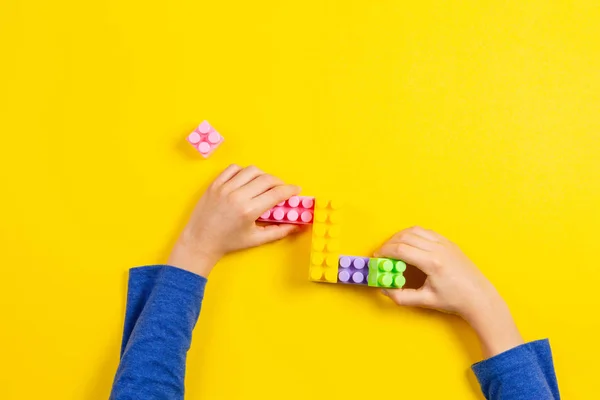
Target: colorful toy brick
{"type": "Point", "coordinates": [326, 263]}
{"type": "Point", "coordinates": [353, 270]}
{"type": "Point", "coordinates": [325, 241]}
{"type": "Point", "coordinates": [296, 210]}
{"type": "Point", "coordinates": [387, 273]}
{"type": "Point", "coordinates": [205, 139]}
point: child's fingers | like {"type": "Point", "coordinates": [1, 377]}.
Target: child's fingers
{"type": "Point", "coordinates": [227, 174]}
{"type": "Point", "coordinates": [407, 253]}
{"type": "Point", "coordinates": [433, 235]}
{"type": "Point", "coordinates": [415, 241]}
{"type": "Point", "coordinates": [242, 178]}
{"type": "Point", "coordinates": [274, 196]}
{"type": "Point", "coordinates": [271, 233]}
{"type": "Point", "coordinates": [259, 185]}
{"type": "Point", "coordinates": [411, 297]}
{"type": "Point", "coordinates": [422, 232]}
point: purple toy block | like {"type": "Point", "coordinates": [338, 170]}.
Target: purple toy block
{"type": "Point", "coordinates": [353, 270]}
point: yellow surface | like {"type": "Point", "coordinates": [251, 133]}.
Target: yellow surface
{"type": "Point", "coordinates": [480, 120]}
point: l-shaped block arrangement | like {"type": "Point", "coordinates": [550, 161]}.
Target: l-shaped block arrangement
{"type": "Point", "coordinates": [327, 264]}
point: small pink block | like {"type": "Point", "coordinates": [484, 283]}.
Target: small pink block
{"type": "Point", "coordinates": [296, 210]}
{"type": "Point", "coordinates": [205, 139]}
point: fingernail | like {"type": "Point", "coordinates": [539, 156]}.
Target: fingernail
{"type": "Point", "coordinates": [385, 292]}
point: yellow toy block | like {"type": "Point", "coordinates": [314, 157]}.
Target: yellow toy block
{"type": "Point", "coordinates": [325, 246]}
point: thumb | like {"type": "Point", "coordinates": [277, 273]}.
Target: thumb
{"type": "Point", "coordinates": [410, 297]}
{"type": "Point", "coordinates": [271, 233]}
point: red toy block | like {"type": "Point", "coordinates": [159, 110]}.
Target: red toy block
{"type": "Point", "coordinates": [296, 210]}
{"type": "Point", "coordinates": [205, 139]}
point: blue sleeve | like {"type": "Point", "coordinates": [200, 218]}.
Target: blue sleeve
{"type": "Point", "coordinates": [523, 373]}
{"type": "Point", "coordinates": [163, 305]}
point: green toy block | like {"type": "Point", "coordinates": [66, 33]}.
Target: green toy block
{"type": "Point", "coordinates": [386, 273]}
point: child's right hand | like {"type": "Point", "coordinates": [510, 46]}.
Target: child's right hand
{"type": "Point", "coordinates": [454, 285]}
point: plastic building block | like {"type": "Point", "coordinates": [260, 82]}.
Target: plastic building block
{"type": "Point", "coordinates": [385, 272]}
{"type": "Point", "coordinates": [325, 241]}
{"type": "Point", "coordinates": [296, 210]}
{"type": "Point", "coordinates": [205, 139]}
{"type": "Point", "coordinates": [353, 270]}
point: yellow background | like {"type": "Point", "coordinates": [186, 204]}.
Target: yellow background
{"type": "Point", "coordinates": [480, 120]}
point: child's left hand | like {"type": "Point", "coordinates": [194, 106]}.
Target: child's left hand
{"type": "Point", "coordinates": [224, 219]}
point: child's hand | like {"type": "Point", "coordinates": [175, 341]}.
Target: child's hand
{"type": "Point", "coordinates": [454, 284]}
{"type": "Point", "coordinates": [224, 219]}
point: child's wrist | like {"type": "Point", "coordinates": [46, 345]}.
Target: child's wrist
{"type": "Point", "coordinates": [495, 326]}
{"type": "Point", "coordinates": [194, 259]}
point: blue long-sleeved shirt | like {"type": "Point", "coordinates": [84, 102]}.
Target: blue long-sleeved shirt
{"type": "Point", "coordinates": [163, 305]}
{"type": "Point", "coordinates": [525, 372]}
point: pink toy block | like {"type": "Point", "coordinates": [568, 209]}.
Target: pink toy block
{"type": "Point", "coordinates": [205, 139]}
{"type": "Point", "coordinates": [353, 270]}
{"type": "Point", "coordinates": [296, 210]}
